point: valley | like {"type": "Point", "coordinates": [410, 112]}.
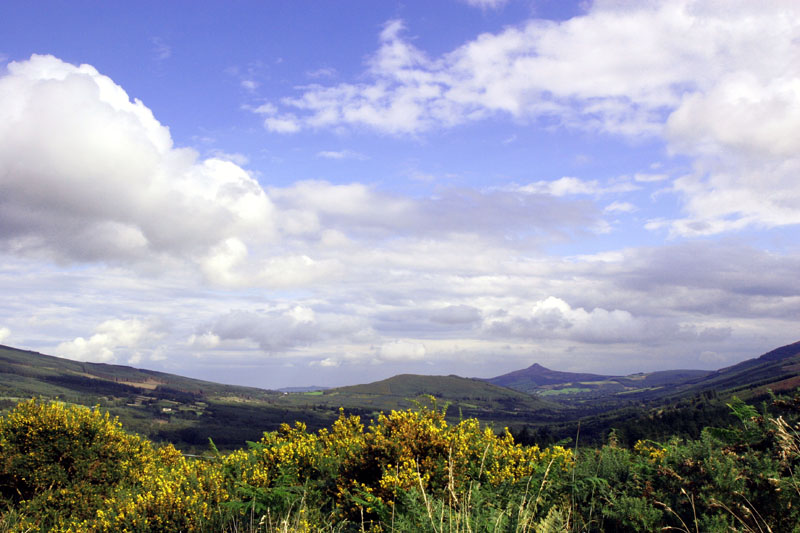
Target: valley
{"type": "Point", "coordinates": [536, 403]}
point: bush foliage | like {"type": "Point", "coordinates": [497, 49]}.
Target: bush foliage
{"type": "Point", "coordinates": [70, 468]}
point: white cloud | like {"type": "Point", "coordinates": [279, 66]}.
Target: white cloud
{"type": "Point", "coordinates": [325, 72]}
{"type": "Point", "coordinates": [340, 154]}
{"type": "Point", "coordinates": [328, 362]}
{"type": "Point", "coordinates": [113, 339]}
{"type": "Point", "coordinates": [708, 356]}
{"type": "Point", "coordinates": [620, 207]}
{"type": "Point", "coordinates": [239, 159]}
{"type": "Point", "coordinates": [719, 82]}
{"type": "Point", "coordinates": [4, 333]}
{"type": "Point", "coordinates": [738, 193]}
{"type": "Point", "coordinates": [284, 329]}
{"type": "Point", "coordinates": [616, 70]}
{"type": "Point", "coordinates": [555, 318]}
{"type": "Point", "coordinates": [89, 175]}
{"type": "Point", "coordinates": [283, 124]}
{"type": "Point", "coordinates": [486, 4]}
{"type": "Point", "coordinates": [205, 341]}
{"type": "Point", "coordinates": [568, 186]}
{"type": "Point", "coordinates": [250, 85]}
{"type": "Point", "coordinates": [401, 350]}
{"type": "Point", "coordinates": [649, 178]}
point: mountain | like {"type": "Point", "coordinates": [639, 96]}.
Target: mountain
{"type": "Point", "coordinates": [546, 404]}
{"type": "Point", "coordinates": [571, 387]}
{"type": "Point", "coordinates": [536, 376]}
{"type": "Point", "coordinates": [777, 370]}
{"type": "Point", "coordinates": [162, 406]}
{"type": "Point", "coordinates": [32, 373]}
{"type": "Point", "coordinates": [187, 411]}
{"type": "Point", "coordinates": [309, 388]}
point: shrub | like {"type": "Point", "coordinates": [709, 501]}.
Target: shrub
{"type": "Point", "coordinates": [386, 469]}
{"type": "Point", "coordinates": [58, 460]}
{"type": "Point", "coordinates": [70, 468]}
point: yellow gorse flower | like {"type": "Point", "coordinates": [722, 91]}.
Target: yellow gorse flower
{"type": "Point", "coordinates": [93, 476]}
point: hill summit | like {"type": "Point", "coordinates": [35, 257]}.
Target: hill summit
{"type": "Point", "coordinates": [536, 375]}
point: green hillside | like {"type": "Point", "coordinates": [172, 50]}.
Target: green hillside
{"type": "Point", "coordinates": [162, 406]}
{"type": "Point", "coordinates": [187, 412]}
{"type": "Point", "coordinates": [465, 397]}
{"type": "Point", "coordinates": [47, 374]}
{"type": "Point", "coordinates": [777, 370]}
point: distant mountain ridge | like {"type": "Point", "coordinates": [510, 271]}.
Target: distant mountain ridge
{"type": "Point", "coordinates": [187, 411]}
{"type": "Point", "coordinates": [778, 369]}
{"type": "Point", "coordinates": [309, 388]}
{"type": "Point", "coordinates": [536, 375]}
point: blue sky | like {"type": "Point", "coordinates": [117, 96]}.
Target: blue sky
{"type": "Point", "coordinates": [295, 193]}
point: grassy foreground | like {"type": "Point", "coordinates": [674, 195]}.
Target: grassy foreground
{"type": "Point", "coordinates": [70, 468]}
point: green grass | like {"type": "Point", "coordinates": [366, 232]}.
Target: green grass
{"type": "Point", "coordinates": [567, 390]}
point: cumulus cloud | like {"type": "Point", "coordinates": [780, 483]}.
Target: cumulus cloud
{"type": "Point", "coordinates": [205, 341]}
{"type": "Point", "coordinates": [719, 83]}
{"type": "Point", "coordinates": [4, 333]}
{"type": "Point", "coordinates": [616, 70]}
{"type": "Point", "coordinates": [284, 329]}
{"type": "Point", "coordinates": [89, 175]}
{"type": "Point", "coordinates": [401, 350]}
{"type": "Point", "coordinates": [116, 340]}
{"type": "Point", "coordinates": [554, 318]}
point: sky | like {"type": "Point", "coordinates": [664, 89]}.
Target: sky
{"type": "Point", "coordinates": [301, 193]}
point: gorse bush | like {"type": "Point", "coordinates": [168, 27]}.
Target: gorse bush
{"type": "Point", "coordinates": [58, 461]}
{"type": "Point", "coordinates": [363, 474]}
{"type": "Point", "coordinates": [70, 468]}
